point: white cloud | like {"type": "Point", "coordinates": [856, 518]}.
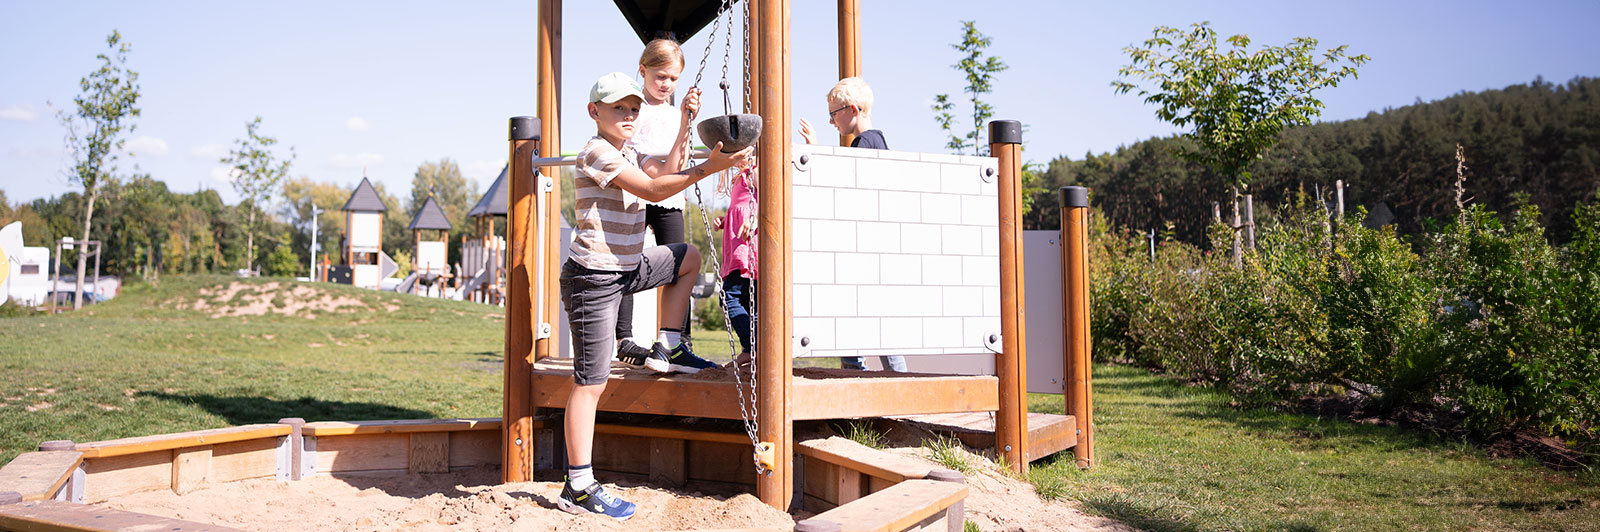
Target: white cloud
{"type": "Point", "coordinates": [355, 123]}
{"type": "Point", "coordinates": [357, 160]}
{"type": "Point", "coordinates": [145, 145]}
{"type": "Point", "coordinates": [222, 174]}
{"type": "Point", "coordinates": [209, 151]}
{"type": "Point", "coordinates": [19, 113]}
{"type": "Point", "coordinates": [484, 171]}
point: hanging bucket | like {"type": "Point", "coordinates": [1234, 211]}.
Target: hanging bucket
{"type": "Point", "coordinates": [735, 132]}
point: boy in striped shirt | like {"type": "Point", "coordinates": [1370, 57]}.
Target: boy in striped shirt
{"type": "Point", "coordinates": [608, 259]}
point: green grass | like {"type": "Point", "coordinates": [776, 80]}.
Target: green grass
{"type": "Point", "coordinates": [1178, 458]}
{"type": "Point", "coordinates": [1170, 457]}
{"type": "Point", "coordinates": [138, 365]}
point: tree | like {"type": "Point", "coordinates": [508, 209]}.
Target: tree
{"type": "Point", "coordinates": [299, 196]}
{"type": "Point", "coordinates": [979, 70]}
{"type": "Point", "coordinates": [256, 173]}
{"type": "Point", "coordinates": [95, 132]}
{"type": "Point", "coordinates": [1236, 101]}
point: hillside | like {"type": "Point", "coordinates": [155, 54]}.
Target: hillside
{"type": "Point", "coordinates": [1540, 139]}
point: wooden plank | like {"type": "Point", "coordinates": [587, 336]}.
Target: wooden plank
{"type": "Point", "coordinates": [167, 442]}
{"type": "Point", "coordinates": [673, 396]}
{"type": "Point", "coordinates": [430, 453]}
{"type": "Point", "coordinates": [474, 448]}
{"type": "Point", "coordinates": [244, 460]}
{"type": "Point", "coordinates": [846, 398]}
{"type": "Point", "coordinates": [877, 484]}
{"type": "Point", "coordinates": [851, 485]}
{"type": "Point", "coordinates": [392, 426]}
{"type": "Point", "coordinates": [822, 480]}
{"type": "Point", "coordinates": [897, 508]}
{"type": "Point", "coordinates": [191, 468]}
{"type": "Point", "coordinates": [371, 452]}
{"type": "Point", "coordinates": [669, 462]}
{"type": "Point", "coordinates": [1049, 434]}
{"type": "Point", "coordinates": [622, 454]}
{"type": "Point", "coordinates": [721, 462]}
{"type": "Point", "coordinates": [57, 516]}
{"type": "Point", "coordinates": [38, 476]}
{"type": "Point", "coordinates": [858, 457]}
{"type": "Point", "coordinates": [128, 473]}
{"type": "Point", "coordinates": [677, 434]}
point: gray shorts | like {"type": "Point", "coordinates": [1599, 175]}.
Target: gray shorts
{"type": "Point", "coordinates": [591, 298]}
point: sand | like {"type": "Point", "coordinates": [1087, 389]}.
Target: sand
{"type": "Point", "coordinates": [471, 500]}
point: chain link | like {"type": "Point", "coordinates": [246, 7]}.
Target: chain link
{"type": "Point", "coordinates": [751, 423]}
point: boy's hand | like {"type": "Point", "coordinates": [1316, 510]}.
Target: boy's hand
{"type": "Point", "coordinates": [691, 104]}
{"type": "Point", "coordinates": [717, 224]}
{"type": "Point", "coordinates": [722, 161]}
{"type": "Point", "coordinates": [806, 132]}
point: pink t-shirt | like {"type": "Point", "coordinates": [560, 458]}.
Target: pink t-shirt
{"type": "Point", "coordinates": [737, 253]}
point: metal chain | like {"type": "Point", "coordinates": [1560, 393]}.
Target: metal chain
{"type": "Point", "coordinates": [751, 423]}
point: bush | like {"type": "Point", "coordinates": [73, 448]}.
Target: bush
{"type": "Point", "coordinates": [1489, 318]}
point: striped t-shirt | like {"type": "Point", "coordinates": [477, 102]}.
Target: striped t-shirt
{"type": "Point", "coordinates": [610, 231]}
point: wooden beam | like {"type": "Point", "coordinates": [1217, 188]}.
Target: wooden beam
{"type": "Point", "coordinates": [429, 453]}
{"type": "Point", "coordinates": [849, 48]}
{"type": "Point", "coordinates": [912, 504]}
{"type": "Point", "coordinates": [1075, 313]}
{"type": "Point", "coordinates": [38, 476]}
{"type": "Point", "coordinates": [1011, 365]}
{"type": "Point", "coordinates": [57, 516]}
{"type": "Point", "coordinates": [774, 365]}
{"type": "Point", "coordinates": [860, 458]}
{"type": "Point", "coordinates": [167, 442]}
{"type": "Point", "coordinates": [191, 469]}
{"type": "Point", "coordinates": [516, 407]}
{"type": "Point", "coordinates": [893, 396]}
{"type": "Point", "coordinates": [666, 396]}
{"type": "Point", "coordinates": [396, 426]}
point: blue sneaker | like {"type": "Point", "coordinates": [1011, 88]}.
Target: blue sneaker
{"type": "Point", "coordinates": [677, 360]}
{"type": "Point", "coordinates": [595, 500]}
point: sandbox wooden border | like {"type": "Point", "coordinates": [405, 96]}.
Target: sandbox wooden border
{"type": "Point", "coordinates": [854, 487]}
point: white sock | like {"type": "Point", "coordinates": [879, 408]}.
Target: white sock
{"type": "Point", "coordinates": [580, 477]}
{"type": "Point", "coordinates": [670, 339]}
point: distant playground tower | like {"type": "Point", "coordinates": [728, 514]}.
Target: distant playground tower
{"type": "Point", "coordinates": [363, 242]}
{"type": "Point", "coordinates": [430, 259]}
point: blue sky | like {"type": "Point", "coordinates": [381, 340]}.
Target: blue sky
{"type": "Point", "coordinates": [386, 86]}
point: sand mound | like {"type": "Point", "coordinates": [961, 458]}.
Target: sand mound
{"type": "Point", "coordinates": [246, 299]}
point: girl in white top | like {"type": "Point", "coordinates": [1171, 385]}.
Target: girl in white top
{"type": "Point", "coordinates": [659, 129]}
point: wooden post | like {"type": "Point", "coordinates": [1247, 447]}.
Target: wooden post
{"type": "Point", "coordinates": [1011, 365]}
{"type": "Point", "coordinates": [549, 94]}
{"type": "Point", "coordinates": [849, 48]}
{"type": "Point", "coordinates": [1238, 257]}
{"type": "Point", "coordinates": [774, 365]}
{"type": "Point", "coordinates": [1075, 315]}
{"type": "Point", "coordinates": [1338, 189]}
{"type": "Point", "coordinates": [517, 447]}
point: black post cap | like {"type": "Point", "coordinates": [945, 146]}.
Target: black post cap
{"type": "Point", "coordinates": [1005, 132]}
{"type": "Point", "coordinates": [524, 128]}
{"type": "Point", "coordinates": [1074, 197]}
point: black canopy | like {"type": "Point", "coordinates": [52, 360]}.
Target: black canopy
{"type": "Point", "coordinates": [679, 19]}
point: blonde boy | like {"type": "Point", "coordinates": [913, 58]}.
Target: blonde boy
{"type": "Point", "coordinates": [608, 259]}
{"type": "Point", "coordinates": [850, 111]}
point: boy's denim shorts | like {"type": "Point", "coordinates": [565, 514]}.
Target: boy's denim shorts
{"type": "Point", "coordinates": [591, 298]}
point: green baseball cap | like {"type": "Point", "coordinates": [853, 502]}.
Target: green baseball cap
{"type": "Point", "coordinates": [614, 86]}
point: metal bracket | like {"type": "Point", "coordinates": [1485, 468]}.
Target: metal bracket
{"type": "Point", "coordinates": [546, 184]}
{"type": "Point", "coordinates": [542, 331]}
{"type": "Point", "coordinates": [992, 342]}
{"type": "Point", "coordinates": [987, 174]}
{"type": "Point", "coordinates": [802, 343]}
{"type": "Point", "coordinates": [802, 163]}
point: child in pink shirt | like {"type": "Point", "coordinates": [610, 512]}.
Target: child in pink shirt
{"type": "Point", "coordinates": [739, 256]}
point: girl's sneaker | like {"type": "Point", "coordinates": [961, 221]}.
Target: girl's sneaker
{"type": "Point", "coordinates": [593, 499]}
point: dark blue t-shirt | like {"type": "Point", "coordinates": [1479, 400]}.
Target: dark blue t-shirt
{"type": "Point", "coordinates": [871, 139]}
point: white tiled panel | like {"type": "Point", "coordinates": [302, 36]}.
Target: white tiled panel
{"type": "Point", "coordinates": [895, 253]}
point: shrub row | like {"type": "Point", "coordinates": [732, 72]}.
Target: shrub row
{"type": "Point", "coordinates": [1484, 317]}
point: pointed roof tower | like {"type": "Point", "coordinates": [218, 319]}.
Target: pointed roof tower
{"type": "Point", "coordinates": [494, 201]}
{"type": "Point", "coordinates": [365, 199]}
{"type": "Point", "coordinates": [430, 217]}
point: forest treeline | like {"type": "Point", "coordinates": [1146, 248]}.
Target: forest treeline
{"type": "Point", "coordinates": [1536, 143]}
